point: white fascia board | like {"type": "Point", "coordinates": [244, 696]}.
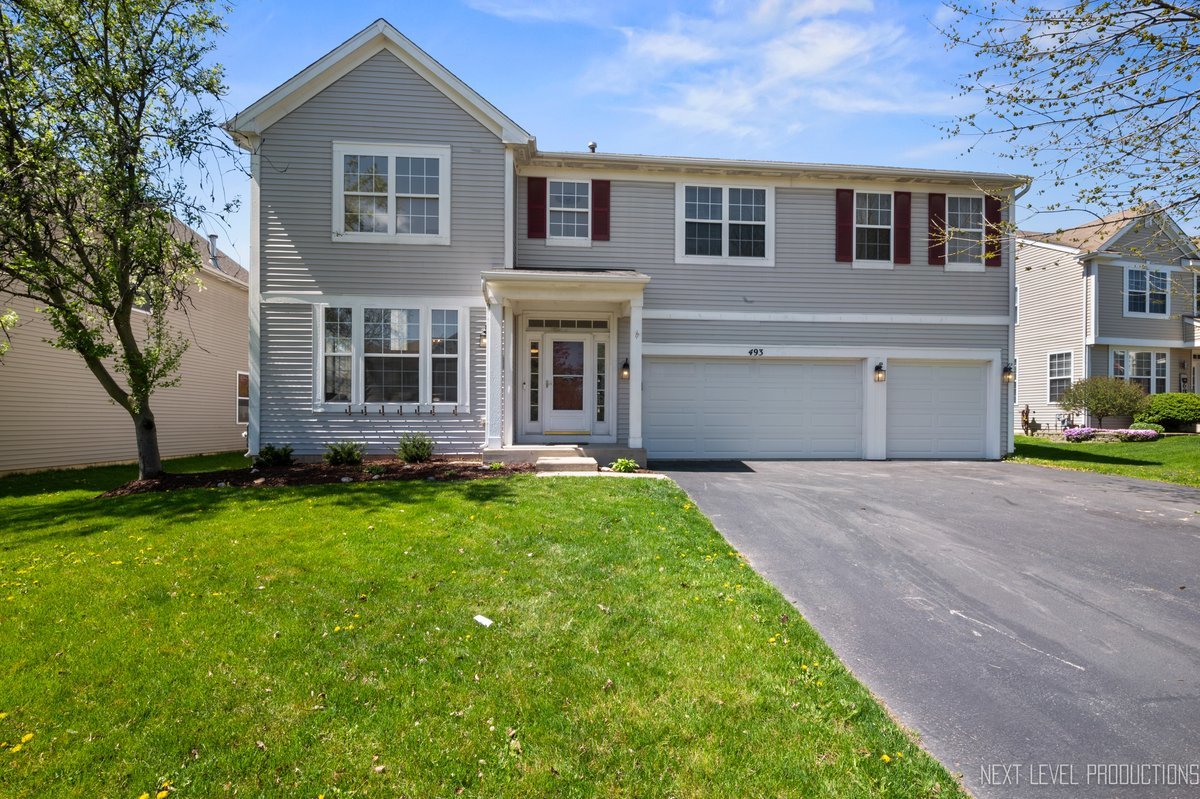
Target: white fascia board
{"type": "Point", "coordinates": [1048, 246]}
{"type": "Point", "coordinates": [1157, 343]}
{"type": "Point", "coordinates": [829, 318]}
{"type": "Point", "coordinates": [375, 38]}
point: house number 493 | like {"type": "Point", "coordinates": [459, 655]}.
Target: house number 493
{"type": "Point", "coordinates": [756, 352]}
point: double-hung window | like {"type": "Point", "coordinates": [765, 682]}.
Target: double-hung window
{"type": "Point", "coordinates": [1147, 369]}
{"type": "Point", "coordinates": [243, 397]}
{"type": "Point", "coordinates": [1146, 292]}
{"type": "Point", "coordinates": [964, 231]}
{"type": "Point", "coordinates": [872, 227]}
{"type": "Point", "coordinates": [390, 354]}
{"type": "Point", "coordinates": [391, 192]}
{"type": "Point", "coordinates": [1059, 375]}
{"type": "Point", "coordinates": [569, 206]}
{"type": "Point", "coordinates": [734, 224]}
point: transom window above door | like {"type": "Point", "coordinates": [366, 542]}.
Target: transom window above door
{"type": "Point", "coordinates": [733, 224]}
{"type": "Point", "coordinates": [391, 192]}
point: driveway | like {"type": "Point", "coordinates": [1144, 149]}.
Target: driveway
{"type": "Point", "coordinates": [1012, 615]}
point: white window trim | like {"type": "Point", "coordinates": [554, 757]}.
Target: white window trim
{"type": "Point", "coordinates": [868, 264]}
{"type": "Point", "coordinates": [238, 398]}
{"type": "Point", "coordinates": [570, 241]}
{"type": "Point", "coordinates": [1050, 377]}
{"type": "Point", "coordinates": [357, 307]}
{"type": "Point", "coordinates": [1147, 268]}
{"type": "Point", "coordinates": [1130, 351]}
{"type": "Point", "coordinates": [391, 152]}
{"type": "Point", "coordinates": [1016, 305]}
{"type": "Point", "coordinates": [681, 226]}
{"type": "Point", "coordinates": [966, 267]}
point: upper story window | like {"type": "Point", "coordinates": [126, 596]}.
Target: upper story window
{"type": "Point", "coordinates": [569, 207]}
{"type": "Point", "coordinates": [872, 227]}
{"type": "Point", "coordinates": [1059, 375]}
{"type": "Point", "coordinates": [389, 354]}
{"type": "Point", "coordinates": [734, 224]}
{"type": "Point", "coordinates": [391, 192]}
{"type": "Point", "coordinates": [964, 231]}
{"type": "Point", "coordinates": [1146, 292]}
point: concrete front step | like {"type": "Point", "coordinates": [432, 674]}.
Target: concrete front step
{"type": "Point", "coordinates": [603, 454]}
{"type": "Point", "coordinates": [565, 464]}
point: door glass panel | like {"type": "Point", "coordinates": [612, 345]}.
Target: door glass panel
{"type": "Point", "coordinates": [568, 375]}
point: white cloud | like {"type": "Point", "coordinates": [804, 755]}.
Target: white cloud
{"type": "Point", "coordinates": [752, 68]}
{"type": "Point", "coordinates": [543, 10]}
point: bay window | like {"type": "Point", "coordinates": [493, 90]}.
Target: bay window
{"type": "Point", "coordinates": [1146, 368]}
{"type": "Point", "coordinates": [389, 355]}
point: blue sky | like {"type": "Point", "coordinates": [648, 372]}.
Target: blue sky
{"type": "Point", "coordinates": [843, 81]}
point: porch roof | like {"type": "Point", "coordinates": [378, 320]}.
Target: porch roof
{"type": "Point", "coordinates": [504, 286]}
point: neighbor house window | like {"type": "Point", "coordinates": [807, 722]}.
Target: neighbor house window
{"type": "Point", "coordinates": [1146, 291]}
{"type": "Point", "coordinates": [964, 230]}
{"type": "Point", "coordinates": [391, 193]}
{"type": "Point", "coordinates": [392, 355]}
{"type": "Point", "coordinates": [1147, 368]}
{"type": "Point", "coordinates": [569, 208]}
{"type": "Point", "coordinates": [243, 397]}
{"type": "Point", "coordinates": [724, 222]}
{"type": "Point", "coordinates": [1059, 375]}
{"type": "Point", "coordinates": [872, 227]}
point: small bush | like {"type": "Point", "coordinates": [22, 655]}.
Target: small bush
{"type": "Point", "coordinates": [1136, 435]}
{"type": "Point", "coordinates": [415, 448]}
{"type": "Point", "coordinates": [624, 465]}
{"type": "Point", "coordinates": [1158, 428]}
{"type": "Point", "coordinates": [1103, 397]}
{"type": "Point", "coordinates": [495, 466]}
{"type": "Point", "coordinates": [375, 469]}
{"type": "Point", "coordinates": [1172, 408]}
{"type": "Point", "coordinates": [1076, 434]}
{"type": "Point", "coordinates": [344, 453]}
{"type": "Point", "coordinates": [270, 456]}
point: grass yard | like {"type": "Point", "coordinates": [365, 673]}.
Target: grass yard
{"type": "Point", "coordinates": [319, 640]}
{"type": "Point", "coordinates": [1173, 459]}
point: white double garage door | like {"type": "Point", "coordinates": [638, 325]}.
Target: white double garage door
{"type": "Point", "coordinates": [722, 408]}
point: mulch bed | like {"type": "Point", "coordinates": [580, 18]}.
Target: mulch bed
{"type": "Point", "coordinates": [320, 473]}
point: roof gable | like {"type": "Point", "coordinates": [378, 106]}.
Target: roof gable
{"type": "Point", "coordinates": [377, 37]}
{"type": "Point", "coordinates": [1147, 233]}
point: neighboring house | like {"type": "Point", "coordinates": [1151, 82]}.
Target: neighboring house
{"type": "Point", "coordinates": [419, 265]}
{"type": "Point", "coordinates": [1115, 297]}
{"type": "Point", "coordinates": [53, 411]}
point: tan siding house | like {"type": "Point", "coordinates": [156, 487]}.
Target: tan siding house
{"type": "Point", "coordinates": [1116, 297]}
{"type": "Point", "coordinates": [54, 413]}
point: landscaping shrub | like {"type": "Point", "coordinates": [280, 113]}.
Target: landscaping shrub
{"type": "Point", "coordinates": [1172, 408]}
{"type": "Point", "coordinates": [344, 453]}
{"type": "Point", "coordinates": [1103, 397]}
{"type": "Point", "coordinates": [624, 465]}
{"type": "Point", "coordinates": [415, 448]}
{"type": "Point", "coordinates": [270, 456]}
{"type": "Point", "coordinates": [1158, 428]}
{"type": "Point", "coordinates": [375, 469]}
{"type": "Point", "coordinates": [1077, 434]}
{"type": "Point", "coordinates": [1136, 435]}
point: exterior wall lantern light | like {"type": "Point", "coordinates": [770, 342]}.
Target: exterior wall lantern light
{"type": "Point", "coordinates": [880, 372]}
{"type": "Point", "coordinates": [482, 340]}
{"type": "Point", "coordinates": [1009, 374]}
{"type": "Point", "coordinates": [625, 370]}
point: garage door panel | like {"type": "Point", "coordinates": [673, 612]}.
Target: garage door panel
{"type": "Point", "coordinates": [936, 410]}
{"type": "Point", "coordinates": [753, 408]}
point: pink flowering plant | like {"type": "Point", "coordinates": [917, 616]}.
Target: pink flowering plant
{"type": "Point", "coordinates": [1076, 434]}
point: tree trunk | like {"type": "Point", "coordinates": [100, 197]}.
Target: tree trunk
{"type": "Point", "coordinates": [149, 459]}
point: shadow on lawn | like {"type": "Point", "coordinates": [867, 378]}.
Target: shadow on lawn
{"type": "Point", "coordinates": [1051, 453]}
{"type": "Point", "coordinates": [72, 519]}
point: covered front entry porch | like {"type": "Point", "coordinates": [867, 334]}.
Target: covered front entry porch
{"type": "Point", "coordinates": [564, 362]}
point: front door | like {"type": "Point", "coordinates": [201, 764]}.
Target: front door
{"type": "Point", "coordinates": [566, 384]}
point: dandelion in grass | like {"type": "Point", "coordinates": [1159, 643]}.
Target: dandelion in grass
{"type": "Point", "coordinates": [27, 737]}
{"type": "Point", "coordinates": [885, 758]}
{"type": "Point", "coordinates": [16, 748]}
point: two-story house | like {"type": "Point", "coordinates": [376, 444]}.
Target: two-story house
{"type": "Point", "coordinates": [420, 265]}
{"type": "Point", "coordinates": [1115, 297]}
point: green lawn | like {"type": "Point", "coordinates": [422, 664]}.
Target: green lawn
{"type": "Point", "coordinates": [299, 642]}
{"type": "Point", "coordinates": [1173, 459]}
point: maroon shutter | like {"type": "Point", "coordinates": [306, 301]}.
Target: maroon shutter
{"type": "Point", "coordinates": [536, 221]}
{"type": "Point", "coordinates": [844, 226]}
{"type": "Point", "coordinates": [601, 194]}
{"type": "Point", "coordinates": [902, 227]}
{"type": "Point", "coordinates": [937, 230]}
{"type": "Point", "coordinates": [992, 238]}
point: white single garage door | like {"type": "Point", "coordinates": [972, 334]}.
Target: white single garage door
{"type": "Point", "coordinates": [936, 410]}
{"type": "Point", "coordinates": [752, 408]}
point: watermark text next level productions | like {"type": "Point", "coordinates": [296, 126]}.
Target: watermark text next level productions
{"type": "Point", "coordinates": [1126, 774]}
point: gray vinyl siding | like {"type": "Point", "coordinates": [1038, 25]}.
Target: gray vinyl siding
{"type": "Point", "coordinates": [767, 334]}
{"type": "Point", "coordinates": [1146, 240]}
{"type": "Point", "coordinates": [287, 414]}
{"type": "Point", "coordinates": [1099, 361]}
{"type": "Point", "coordinates": [805, 276]}
{"type": "Point", "coordinates": [1111, 312]}
{"type": "Point", "coordinates": [1052, 286]}
{"type": "Point", "coordinates": [53, 411]}
{"type": "Point", "coordinates": [623, 384]}
{"type": "Point", "coordinates": [382, 101]}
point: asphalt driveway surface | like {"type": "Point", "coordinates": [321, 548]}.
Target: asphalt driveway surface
{"type": "Point", "coordinates": [1034, 626]}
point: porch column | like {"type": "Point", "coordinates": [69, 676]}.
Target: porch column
{"type": "Point", "coordinates": [494, 427]}
{"type": "Point", "coordinates": [635, 373]}
{"type": "Point", "coordinates": [510, 339]}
